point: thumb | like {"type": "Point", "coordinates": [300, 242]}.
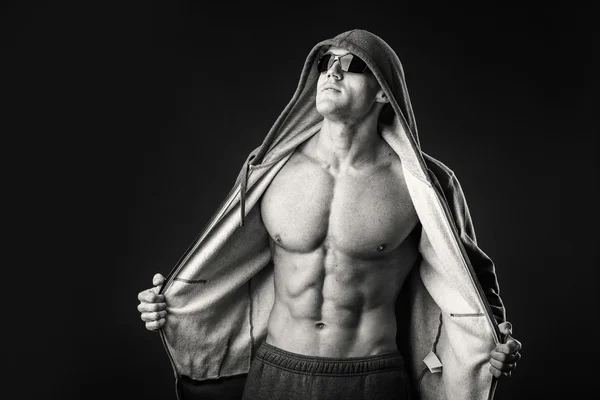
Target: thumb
{"type": "Point", "coordinates": [158, 280]}
{"type": "Point", "coordinates": [506, 328]}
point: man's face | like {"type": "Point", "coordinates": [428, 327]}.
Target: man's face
{"type": "Point", "coordinates": [345, 96]}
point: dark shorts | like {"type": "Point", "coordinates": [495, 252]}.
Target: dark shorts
{"type": "Point", "coordinates": [277, 374]}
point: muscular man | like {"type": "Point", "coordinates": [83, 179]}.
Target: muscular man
{"type": "Point", "coordinates": [339, 218]}
{"type": "Point", "coordinates": [344, 235]}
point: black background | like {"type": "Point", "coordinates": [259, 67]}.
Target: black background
{"type": "Point", "coordinates": [125, 126]}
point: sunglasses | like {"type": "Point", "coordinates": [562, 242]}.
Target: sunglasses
{"type": "Point", "coordinates": [348, 63]}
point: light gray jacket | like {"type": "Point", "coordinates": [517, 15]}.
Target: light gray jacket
{"type": "Point", "coordinates": [221, 292]}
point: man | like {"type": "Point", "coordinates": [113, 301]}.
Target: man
{"type": "Point", "coordinates": [355, 272]}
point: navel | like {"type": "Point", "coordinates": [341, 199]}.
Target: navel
{"type": "Point", "coordinates": [320, 325]}
{"type": "Point", "coordinates": [381, 247]}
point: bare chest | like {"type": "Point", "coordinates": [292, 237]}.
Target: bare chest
{"type": "Point", "coordinates": [360, 214]}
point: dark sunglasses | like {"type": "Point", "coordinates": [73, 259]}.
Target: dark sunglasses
{"type": "Point", "coordinates": [348, 63]}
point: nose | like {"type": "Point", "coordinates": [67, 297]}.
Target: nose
{"type": "Point", "coordinates": [335, 70]}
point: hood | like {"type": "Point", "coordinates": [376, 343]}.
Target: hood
{"type": "Point", "coordinates": [301, 114]}
{"type": "Point", "coordinates": [300, 118]}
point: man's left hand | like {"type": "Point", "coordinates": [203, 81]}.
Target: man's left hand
{"type": "Point", "coordinates": [505, 356]}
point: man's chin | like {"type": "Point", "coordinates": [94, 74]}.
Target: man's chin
{"type": "Point", "coordinates": [327, 107]}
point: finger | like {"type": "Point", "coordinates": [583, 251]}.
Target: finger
{"type": "Point", "coordinates": [143, 294]}
{"type": "Point", "coordinates": [503, 357]}
{"type": "Point", "coordinates": [504, 367]}
{"type": "Point", "coordinates": [149, 296]}
{"type": "Point", "coordinates": [151, 307]}
{"type": "Point", "coordinates": [153, 316]}
{"type": "Point", "coordinates": [158, 280]}
{"type": "Point", "coordinates": [513, 345]}
{"type": "Point", "coordinates": [494, 371]}
{"type": "Point", "coordinates": [155, 325]}
{"type": "Point", "coordinates": [502, 348]}
{"type": "Point", "coordinates": [517, 357]}
{"type": "Point", "coordinates": [498, 355]}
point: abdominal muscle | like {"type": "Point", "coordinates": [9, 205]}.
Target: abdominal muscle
{"type": "Point", "coordinates": [328, 304]}
{"type": "Point", "coordinates": [342, 247]}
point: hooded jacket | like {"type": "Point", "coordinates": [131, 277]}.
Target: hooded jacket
{"type": "Point", "coordinates": [221, 291]}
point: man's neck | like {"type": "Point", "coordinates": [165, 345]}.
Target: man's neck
{"type": "Point", "coordinates": [342, 145]}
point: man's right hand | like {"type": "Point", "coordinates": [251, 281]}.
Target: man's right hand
{"type": "Point", "coordinates": [152, 305]}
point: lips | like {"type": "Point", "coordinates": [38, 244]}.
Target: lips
{"type": "Point", "coordinates": [330, 87]}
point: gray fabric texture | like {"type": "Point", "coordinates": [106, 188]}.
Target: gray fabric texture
{"type": "Point", "coordinates": [221, 292]}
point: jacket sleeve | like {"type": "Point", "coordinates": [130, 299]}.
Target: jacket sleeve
{"type": "Point", "coordinates": [482, 264]}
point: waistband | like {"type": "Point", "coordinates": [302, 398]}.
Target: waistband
{"type": "Point", "coordinates": [328, 366]}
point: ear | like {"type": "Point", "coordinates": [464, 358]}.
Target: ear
{"type": "Point", "coordinates": [381, 97]}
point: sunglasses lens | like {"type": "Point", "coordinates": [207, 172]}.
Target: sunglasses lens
{"type": "Point", "coordinates": [346, 62]}
{"type": "Point", "coordinates": [323, 64]}
{"type": "Point", "coordinates": [354, 64]}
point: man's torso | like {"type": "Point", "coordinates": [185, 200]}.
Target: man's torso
{"type": "Point", "coordinates": [342, 247]}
